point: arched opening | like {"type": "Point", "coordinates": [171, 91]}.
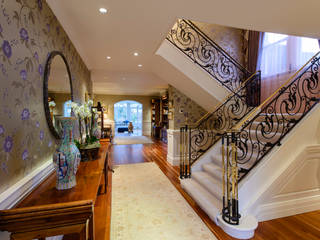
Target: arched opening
{"type": "Point", "coordinates": [125, 113]}
{"type": "Point", "coordinates": [67, 108]}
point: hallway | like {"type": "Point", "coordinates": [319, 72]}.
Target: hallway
{"type": "Point", "coordinates": [303, 226]}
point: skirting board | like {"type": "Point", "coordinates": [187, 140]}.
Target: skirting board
{"type": "Point", "coordinates": [22, 188]}
{"type": "Point", "coordinates": [174, 161]}
{"type": "Point", "coordinates": [297, 201]}
{"type": "Point", "coordinates": [287, 208]}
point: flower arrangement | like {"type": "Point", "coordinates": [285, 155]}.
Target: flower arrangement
{"type": "Point", "coordinates": [52, 104]}
{"type": "Point", "coordinates": [85, 114]}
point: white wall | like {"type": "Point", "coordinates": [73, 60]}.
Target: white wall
{"type": "Point", "coordinates": [188, 77]}
{"type": "Point", "coordinates": [272, 183]}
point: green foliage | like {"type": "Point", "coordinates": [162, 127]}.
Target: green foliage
{"type": "Point", "coordinates": [77, 143]}
{"type": "Point", "coordinates": [91, 139]}
{"type": "Point", "coordinates": [91, 142]}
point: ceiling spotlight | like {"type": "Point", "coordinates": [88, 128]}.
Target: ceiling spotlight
{"type": "Point", "coordinates": [136, 54]}
{"type": "Point", "coordinates": [108, 57]}
{"type": "Point", "coordinates": [140, 65]}
{"type": "Point", "coordinates": [103, 10]}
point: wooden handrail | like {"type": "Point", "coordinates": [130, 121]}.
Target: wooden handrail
{"type": "Point", "coordinates": [225, 99]}
{"type": "Point", "coordinates": [252, 114]}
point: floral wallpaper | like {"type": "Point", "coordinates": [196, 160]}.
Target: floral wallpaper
{"type": "Point", "coordinates": [183, 109]}
{"type": "Point", "coordinates": [232, 40]}
{"type": "Point", "coordinates": [29, 31]}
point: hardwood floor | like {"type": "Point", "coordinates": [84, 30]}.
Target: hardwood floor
{"type": "Point", "coordinates": [299, 227]}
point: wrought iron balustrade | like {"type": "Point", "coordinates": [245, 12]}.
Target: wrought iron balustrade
{"type": "Point", "coordinates": [230, 201]}
{"type": "Point", "coordinates": [196, 140]}
{"type": "Point", "coordinates": [207, 54]}
{"type": "Point", "coordinates": [227, 115]}
{"type": "Point", "coordinates": [266, 126]}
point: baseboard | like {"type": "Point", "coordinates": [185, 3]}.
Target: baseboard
{"type": "Point", "coordinates": [175, 161]}
{"type": "Point", "coordinates": [22, 188]}
{"type": "Point", "coordinates": [288, 208]}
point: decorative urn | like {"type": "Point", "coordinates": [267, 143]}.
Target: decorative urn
{"type": "Point", "coordinates": [67, 156]}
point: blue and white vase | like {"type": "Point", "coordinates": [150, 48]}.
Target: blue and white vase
{"type": "Point", "coordinates": [67, 156]}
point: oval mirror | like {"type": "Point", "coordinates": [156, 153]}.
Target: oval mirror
{"type": "Point", "coordinates": [57, 91]}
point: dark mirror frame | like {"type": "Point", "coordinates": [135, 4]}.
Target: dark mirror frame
{"type": "Point", "coordinates": [45, 89]}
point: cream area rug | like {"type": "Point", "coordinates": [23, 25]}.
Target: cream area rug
{"type": "Point", "coordinates": [146, 206]}
{"type": "Point", "coordinates": [124, 140]}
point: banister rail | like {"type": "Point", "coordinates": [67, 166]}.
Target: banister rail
{"type": "Point", "coordinates": [239, 125]}
{"type": "Point", "coordinates": [207, 54]}
{"type": "Point", "coordinates": [225, 99]}
{"type": "Point", "coordinates": [266, 126]}
{"type": "Point", "coordinates": [209, 130]}
{"type": "Point", "coordinates": [217, 46]}
{"type": "Point", "coordinates": [197, 139]}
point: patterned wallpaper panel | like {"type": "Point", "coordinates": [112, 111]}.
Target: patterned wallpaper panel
{"type": "Point", "coordinates": [183, 109]}
{"type": "Point", "coordinates": [29, 31]}
{"type": "Point", "coordinates": [232, 40]}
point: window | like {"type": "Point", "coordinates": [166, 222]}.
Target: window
{"type": "Point", "coordinates": [67, 109]}
{"type": "Point", "coordinates": [128, 111]}
{"type": "Point", "coordinates": [284, 54]}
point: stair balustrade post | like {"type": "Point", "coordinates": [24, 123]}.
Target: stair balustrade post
{"type": "Point", "coordinates": [223, 173]}
{"type": "Point", "coordinates": [181, 151]}
{"type": "Point", "coordinates": [186, 155]}
{"type": "Point", "coordinates": [189, 154]}
{"type": "Point", "coordinates": [230, 211]}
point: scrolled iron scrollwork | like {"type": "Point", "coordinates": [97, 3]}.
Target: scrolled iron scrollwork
{"type": "Point", "coordinates": [207, 54]}
{"type": "Point", "coordinates": [278, 117]}
{"type": "Point", "coordinates": [224, 118]}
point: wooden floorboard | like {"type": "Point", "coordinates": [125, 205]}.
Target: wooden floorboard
{"type": "Point", "coordinates": [299, 227]}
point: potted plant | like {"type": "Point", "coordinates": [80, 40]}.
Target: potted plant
{"type": "Point", "coordinates": [88, 144]}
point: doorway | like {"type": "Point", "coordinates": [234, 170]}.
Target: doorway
{"type": "Point", "coordinates": [126, 112]}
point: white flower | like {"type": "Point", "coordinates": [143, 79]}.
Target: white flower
{"type": "Point", "coordinates": [52, 104]}
{"type": "Point", "coordinates": [90, 102]}
{"type": "Point", "coordinates": [74, 105]}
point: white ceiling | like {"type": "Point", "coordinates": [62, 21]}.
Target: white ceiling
{"type": "Point", "coordinates": [141, 25]}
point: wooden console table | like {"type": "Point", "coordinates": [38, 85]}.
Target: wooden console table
{"type": "Point", "coordinates": [45, 204]}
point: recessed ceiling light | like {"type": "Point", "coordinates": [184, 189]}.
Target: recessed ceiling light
{"type": "Point", "coordinates": [140, 65]}
{"type": "Point", "coordinates": [136, 54]}
{"type": "Point", "coordinates": [108, 57]}
{"type": "Point", "coordinates": [103, 10]}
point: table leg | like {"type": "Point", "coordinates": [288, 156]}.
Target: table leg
{"type": "Point", "coordinates": [91, 227]}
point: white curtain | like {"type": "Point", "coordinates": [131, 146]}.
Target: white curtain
{"type": "Point", "coordinates": [285, 54]}
{"type": "Point", "coordinates": [282, 55]}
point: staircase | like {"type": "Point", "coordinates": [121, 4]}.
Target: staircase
{"type": "Point", "coordinates": [258, 132]}
{"type": "Point", "coordinates": [197, 66]}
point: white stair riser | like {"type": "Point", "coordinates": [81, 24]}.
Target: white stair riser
{"type": "Point", "coordinates": [210, 184]}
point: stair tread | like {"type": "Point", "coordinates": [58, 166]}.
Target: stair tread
{"type": "Point", "coordinates": [210, 183]}
{"type": "Point", "coordinates": [208, 203]}
{"type": "Point", "coordinates": [212, 166]}
{"type": "Point", "coordinates": [214, 170]}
